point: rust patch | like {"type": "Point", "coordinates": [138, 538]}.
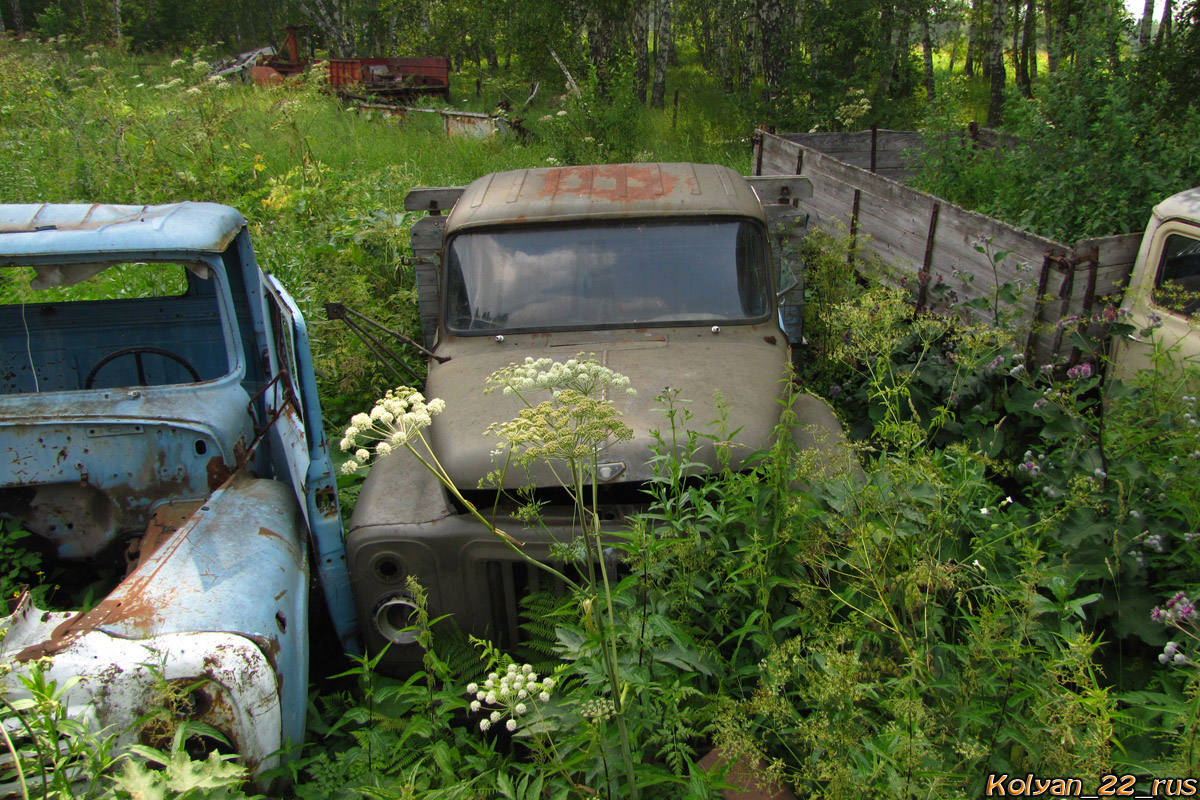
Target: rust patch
{"type": "Point", "coordinates": [769, 339]}
{"type": "Point", "coordinates": [218, 472]}
{"type": "Point", "coordinates": [268, 532]}
{"type": "Point", "coordinates": [165, 520]}
{"type": "Point", "coordinates": [127, 603]}
{"type": "Point", "coordinates": [618, 183]}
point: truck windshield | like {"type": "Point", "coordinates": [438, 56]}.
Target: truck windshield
{"type": "Point", "coordinates": [618, 275]}
{"type": "Point", "coordinates": [100, 326]}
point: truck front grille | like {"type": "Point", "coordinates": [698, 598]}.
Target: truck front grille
{"type": "Point", "coordinates": [508, 583]}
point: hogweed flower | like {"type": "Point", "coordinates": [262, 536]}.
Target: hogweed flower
{"type": "Point", "coordinates": [394, 421]}
{"type": "Point", "coordinates": [584, 375]}
{"type": "Point", "coordinates": [598, 710]}
{"type": "Point", "coordinates": [508, 695]}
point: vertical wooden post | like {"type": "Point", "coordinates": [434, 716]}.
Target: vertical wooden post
{"type": "Point", "coordinates": [874, 144]}
{"type": "Point", "coordinates": [1039, 306]}
{"type": "Point", "coordinates": [854, 227]}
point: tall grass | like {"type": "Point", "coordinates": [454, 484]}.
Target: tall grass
{"type": "Point", "coordinates": [322, 184]}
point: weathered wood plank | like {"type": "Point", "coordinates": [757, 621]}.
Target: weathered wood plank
{"type": "Point", "coordinates": [897, 220]}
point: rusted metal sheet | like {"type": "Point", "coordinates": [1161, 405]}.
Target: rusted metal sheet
{"type": "Point", "coordinates": [243, 542]}
{"type": "Point", "coordinates": [611, 191]}
{"type": "Point", "coordinates": [144, 688]}
{"type": "Point", "coordinates": [468, 125]}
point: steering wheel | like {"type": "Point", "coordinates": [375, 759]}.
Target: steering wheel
{"type": "Point", "coordinates": [137, 353]}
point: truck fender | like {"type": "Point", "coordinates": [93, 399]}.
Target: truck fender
{"type": "Point", "coordinates": [817, 429]}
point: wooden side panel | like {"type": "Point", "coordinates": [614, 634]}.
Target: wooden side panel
{"type": "Point", "coordinates": [892, 149]}
{"type": "Point", "coordinates": [910, 229]}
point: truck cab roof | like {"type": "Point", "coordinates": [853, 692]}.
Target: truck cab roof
{"type": "Point", "coordinates": [611, 191]}
{"type": "Point", "coordinates": [58, 230]}
{"type": "Point", "coordinates": [1185, 205]}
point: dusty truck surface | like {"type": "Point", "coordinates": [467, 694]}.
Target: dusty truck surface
{"type": "Point", "coordinates": [666, 273]}
{"type": "Point", "coordinates": [159, 423]}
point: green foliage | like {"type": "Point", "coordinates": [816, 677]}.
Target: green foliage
{"type": "Point", "coordinates": [175, 775]}
{"type": "Point", "coordinates": [589, 129]}
{"type": "Point", "coordinates": [50, 753]}
{"type": "Point", "coordinates": [391, 738]}
{"type": "Point", "coordinates": [1091, 153]}
{"type": "Point", "coordinates": [21, 565]}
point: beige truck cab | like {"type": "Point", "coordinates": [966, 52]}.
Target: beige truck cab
{"type": "Point", "coordinates": [667, 273]}
{"type": "Point", "coordinates": [1164, 289]}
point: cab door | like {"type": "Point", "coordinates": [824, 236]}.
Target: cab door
{"type": "Point", "coordinates": [300, 451]}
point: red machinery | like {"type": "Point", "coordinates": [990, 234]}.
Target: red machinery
{"type": "Point", "coordinates": [391, 79]}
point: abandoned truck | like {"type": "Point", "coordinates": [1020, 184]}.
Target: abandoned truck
{"type": "Point", "coordinates": [160, 418]}
{"type": "Point", "coordinates": [666, 273]}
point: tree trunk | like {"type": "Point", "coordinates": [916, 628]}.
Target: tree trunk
{"type": "Point", "coordinates": [954, 45]}
{"type": "Point", "coordinates": [662, 33]}
{"type": "Point", "coordinates": [641, 48]}
{"type": "Point", "coordinates": [1164, 27]}
{"type": "Point", "coordinates": [1024, 50]}
{"type": "Point", "coordinates": [702, 35]}
{"type": "Point", "coordinates": [927, 52]}
{"type": "Point", "coordinates": [605, 37]}
{"type": "Point", "coordinates": [774, 61]}
{"type": "Point", "coordinates": [969, 66]}
{"type": "Point", "coordinates": [116, 21]}
{"type": "Point", "coordinates": [1147, 26]}
{"type": "Point", "coordinates": [1053, 38]}
{"type": "Point", "coordinates": [725, 36]}
{"type": "Point", "coordinates": [995, 113]}
{"type": "Point", "coordinates": [1015, 48]}
{"type": "Point", "coordinates": [750, 50]}
{"type": "Point", "coordinates": [18, 21]}
{"type": "Point", "coordinates": [887, 20]}
{"type": "Point", "coordinates": [329, 24]}
{"type": "Point", "coordinates": [669, 37]}
{"type": "Point", "coordinates": [1031, 42]}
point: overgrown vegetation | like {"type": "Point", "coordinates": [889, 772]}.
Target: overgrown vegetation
{"type": "Point", "coordinates": [1090, 153]}
{"type": "Point", "coordinates": [1007, 593]}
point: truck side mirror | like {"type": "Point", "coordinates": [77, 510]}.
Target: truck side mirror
{"type": "Point", "coordinates": [788, 226]}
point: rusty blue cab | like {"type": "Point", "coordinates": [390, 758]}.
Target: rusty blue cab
{"type": "Point", "coordinates": [159, 416]}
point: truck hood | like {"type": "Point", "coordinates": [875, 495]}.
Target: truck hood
{"type": "Point", "coordinates": [739, 368]}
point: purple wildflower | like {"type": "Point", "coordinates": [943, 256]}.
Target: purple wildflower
{"type": "Point", "coordinates": [1083, 370]}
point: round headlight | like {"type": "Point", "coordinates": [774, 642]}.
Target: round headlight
{"type": "Point", "coordinates": [395, 617]}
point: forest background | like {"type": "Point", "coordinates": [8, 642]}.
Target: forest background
{"type": "Point", "coordinates": [984, 605]}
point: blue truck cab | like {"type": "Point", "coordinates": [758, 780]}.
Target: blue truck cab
{"type": "Point", "coordinates": [159, 416]}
